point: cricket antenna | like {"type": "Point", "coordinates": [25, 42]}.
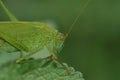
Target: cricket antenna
{"type": "Point", "coordinates": [9, 14]}
{"type": "Point", "coordinates": [76, 19]}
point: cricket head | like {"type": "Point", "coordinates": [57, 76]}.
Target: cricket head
{"type": "Point", "coordinates": [59, 41]}
{"type": "Point", "coordinates": [60, 38]}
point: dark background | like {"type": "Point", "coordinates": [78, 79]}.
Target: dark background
{"type": "Point", "coordinates": [93, 46]}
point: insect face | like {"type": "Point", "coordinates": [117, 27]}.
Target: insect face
{"type": "Point", "coordinates": [58, 43]}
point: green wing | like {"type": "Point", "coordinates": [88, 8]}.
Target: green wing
{"type": "Point", "coordinates": [27, 36]}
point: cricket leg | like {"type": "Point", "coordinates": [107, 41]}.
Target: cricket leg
{"type": "Point", "coordinates": [24, 59]}
{"type": "Point", "coordinates": [54, 57]}
{"type": "Point", "coordinates": [26, 56]}
{"type": "Point", "coordinates": [21, 54]}
{"type": "Point", "coordinates": [59, 61]}
{"type": "Point", "coordinates": [20, 58]}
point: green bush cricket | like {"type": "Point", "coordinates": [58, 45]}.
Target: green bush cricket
{"type": "Point", "coordinates": [32, 37]}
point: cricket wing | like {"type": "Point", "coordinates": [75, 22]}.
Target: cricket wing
{"type": "Point", "coordinates": [26, 36]}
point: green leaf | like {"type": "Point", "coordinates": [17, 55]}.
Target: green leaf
{"type": "Point", "coordinates": [41, 69]}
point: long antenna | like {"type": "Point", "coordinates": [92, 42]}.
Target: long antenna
{"type": "Point", "coordinates": [10, 15]}
{"type": "Point", "coordinates": [76, 19]}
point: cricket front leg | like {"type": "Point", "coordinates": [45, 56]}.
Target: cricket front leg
{"type": "Point", "coordinates": [54, 58]}
{"type": "Point", "coordinates": [66, 68]}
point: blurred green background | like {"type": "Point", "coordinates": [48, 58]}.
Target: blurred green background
{"type": "Point", "coordinates": [94, 44]}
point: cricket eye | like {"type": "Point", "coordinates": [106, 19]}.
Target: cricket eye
{"type": "Point", "coordinates": [60, 39]}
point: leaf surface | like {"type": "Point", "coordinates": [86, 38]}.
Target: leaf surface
{"type": "Point", "coordinates": [38, 70]}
